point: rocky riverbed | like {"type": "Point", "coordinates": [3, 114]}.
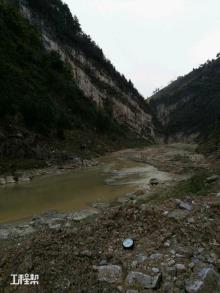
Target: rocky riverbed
{"type": "Point", "coordinates": [175, 228]}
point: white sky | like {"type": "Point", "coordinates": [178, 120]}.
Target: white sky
{"type": "Point", "coordinates": [152, 41]}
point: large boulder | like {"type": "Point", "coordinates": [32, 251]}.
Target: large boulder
{"type": "Point", "coordinates": [207, 281]}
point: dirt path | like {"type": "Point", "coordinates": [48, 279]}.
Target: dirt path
{"type": "Point", "coordinates": [174, 224]}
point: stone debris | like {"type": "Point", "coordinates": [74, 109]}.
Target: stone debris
{"type": "Point", "coordinates": [83, 214]}
{"type": "Point", "coordinates": [177, 254]}
{"type": "Point", "coordinates": [7, 232]}
{"type": "Point", "coordinates": [212, 179]}
{"type": "Point", "coordinates": [154, 181]}
{"type": "Point", "coordinates": [184, 206]}
{"type": "Point", "coordinates": [4, 233]}
{"type": "Point", "coordinates": [10, 180]}
{"type": "Point", "coordinates": [24, 179]}
{"type": "Point", "coordinates": [176, 246]}
{"type": "Point", "coordinates": [178, 214]}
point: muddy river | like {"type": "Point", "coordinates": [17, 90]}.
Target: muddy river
{"type": "Point", "coordinates": [115, 176]}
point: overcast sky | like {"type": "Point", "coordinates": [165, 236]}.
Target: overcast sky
{"type": "Point", "coordinates": [152, 41]}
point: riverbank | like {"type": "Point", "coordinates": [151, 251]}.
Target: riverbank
{"type": "Point", "coordinates": [174, 224]}
{"type": "Point", "coordinates": [24, 176]}
{"type": "Point", "coordinates": [70, 189]}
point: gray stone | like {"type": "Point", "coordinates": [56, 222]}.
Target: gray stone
{"type": "Point", "coordinates": [143, 207]}
{"type": "Point", "coordinates": [154, 181]}
{"type": "Point", "coordinates": [178, 214]}
{"type": "Point", "coordinates": [207, 281]}
{"type": "Point", "coordinates": [184, 252]}
{"type": "Point", "coordinates": [171, 263]}
{"type": "Point", "coordinates": [167, 243]}
{"type": "Point", "coordinates": [218, 194]}
{"type": "Point", "coordinates": [141, 258]}
{"type": "Point", "coordinates": [185, 206]}
{"type": "Point", "coordinates": [132, 291]}
{"type": "Point", "coordinates": [22, 230]}
{"type": "Point", "coordinates": [195, 260]}
{"type": "Point", "coordinates": [155, 270]}
{"type": "Point", "coordinates": [156, 256]}
{"type": "Point", "coordinates": [103, 262]}
{"type": "Point", "coordinates": [143, 281]}
{"type": "Point", "coordinates": [100, 205]}
{"type": "Point", "coordinates": [56, 227]}
{"type": "Point", "coordinates": [134, 264]}
{"type": "Point", "coordinates": [180, 267]}
{"type": "Point", "coordinates": [212, 179]}
{"type": "Point", "coordinates": [200, 250]}
{"type": "Point", "coordinates": [170, 271]}
{"type": "Point", "coordinates": [82, 215]}
{"type": "Point", "coordinates": [4, 233]}
{"type": "Point", "coordinates": [10, 180]}
{"type": "Point", "coordinates": [18, 231]}
{"type": "Point", "coordinates": [2, 181]}
{"type": "Point", "coordinates": [24, 179]}
{"type": "Point", "coordinates": [191, 220]}
{"type": "Point", "coordinates": [123, 199]}
{"type": "Point", "coordinates": [87, 253]}
{"type": "Point", "coordinates": [168, 287]}
{"type": "Point", "coordinates": [110, 273]}
{"type": "Point", "coordinates": [177, 255]}
{"type": "Point", "coordinates": [67, 225]}
{"type": "Point", "coordinates": [191, 265]}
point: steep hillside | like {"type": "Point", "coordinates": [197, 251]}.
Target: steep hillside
{"type": "Point", "coordinates": [53, 101]}
{"type": "Point", "coordinates": [93, 73]}
{"type": "Point", "coordinates": [189, 108]}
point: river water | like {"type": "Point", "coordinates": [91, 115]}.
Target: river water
{"type": "Point", "coordinates": [75, 189]}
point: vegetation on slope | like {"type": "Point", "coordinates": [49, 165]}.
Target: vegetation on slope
{"type": "Point", "coordinates": [197, 109]}
{"type": "Point", "coordinates": [38, 95]}
{"type": "Point", "coordinates": [66, 28]}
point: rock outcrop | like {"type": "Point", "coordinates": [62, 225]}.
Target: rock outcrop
{"type": "Point", "coordinates": [128, 106]}
{"type": "Point", "coordinates": [188, 109]}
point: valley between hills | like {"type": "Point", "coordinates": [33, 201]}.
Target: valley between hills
{"type": "Point", "coordinates": [86, 162]}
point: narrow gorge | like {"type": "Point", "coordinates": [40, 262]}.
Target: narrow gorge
{"type": "Point", "coordinates": [102, 190]}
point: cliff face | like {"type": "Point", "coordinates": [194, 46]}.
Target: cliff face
{"type": "Point", "coordinates": [127, 106]}
{"type": "Point", "coordinates": [58, 92]}
{"type": "Point", "coordinates": [189, 109]}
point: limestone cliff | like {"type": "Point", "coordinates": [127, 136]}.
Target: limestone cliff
{"type": "Point", "coordinates": [127, 106]}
